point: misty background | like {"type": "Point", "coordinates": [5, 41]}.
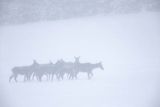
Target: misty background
{"type": "Point", "coordinates": [123, 34]}
{"type": "Point", "coordinates": [24, 11]}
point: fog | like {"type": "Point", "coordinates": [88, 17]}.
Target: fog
{"type": "Point", "coordinates": [126, 42]}
{"type": "Point", "coordinates": [26, 11]}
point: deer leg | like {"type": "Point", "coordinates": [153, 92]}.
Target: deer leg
{"type": "Point", "coordinates": [40, 78]}
{"type": "Point", "coordinates": [37, 76]}
{"type": "Point", "coordinates": [29, 77]}
{"type": "Point", "coordinates": [25, 78]}
{"type": "Point", "coordinates": [52, 77]}
{"type": "Point", "coordinates": [92, 74]}
{"type": "Point", "coordinates": [69, 76]}
{"type": "Point", "coordinates": [88, 76]}
{"type": "Point", "coordinates": [15, 77]}
{"type": "Point", "coordinates": [57, 76]}
{"type": "Point", "coordinates": [49, 76]}
{"type": "Point", "coordinates": [72, 74]}
{"type": "Point", "coordinates": [33, 76]}
{"type": "Point", "coordinates": [75, 75]}
{"type": "Point", "coordinates": [10, 78]}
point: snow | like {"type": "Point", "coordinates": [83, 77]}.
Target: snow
{"type": "Point", "coordinates": [128, 46]}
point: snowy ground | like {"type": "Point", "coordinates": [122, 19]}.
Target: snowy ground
{"type": "Point", "coordinates": [128, 46]}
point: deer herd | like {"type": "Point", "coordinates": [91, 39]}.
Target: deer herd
{"type": "Point", "coordinates": [51, 71]}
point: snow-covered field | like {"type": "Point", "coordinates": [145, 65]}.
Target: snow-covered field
{"type": "Point", "coordinates": [127, 45]}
